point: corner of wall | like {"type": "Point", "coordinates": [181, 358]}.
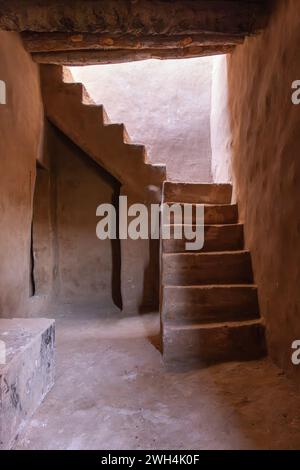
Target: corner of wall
{"type": "Point", "coordinates": [219, 123]}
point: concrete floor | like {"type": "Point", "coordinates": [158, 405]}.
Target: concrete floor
{"type": "Point", "coordinates": [112, 392]}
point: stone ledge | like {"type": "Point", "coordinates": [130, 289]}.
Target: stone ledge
{"type": "Point", "coordinates": [27, 374]}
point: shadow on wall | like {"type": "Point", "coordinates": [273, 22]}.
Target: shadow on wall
{"type": "Point", "coordinates": [150, 299]}
{"type": "Point", "coordinates": [69, 260]}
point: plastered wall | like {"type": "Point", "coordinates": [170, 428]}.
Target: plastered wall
{"type": "Point", "coordinates": [220, 123]}
{"type": "Point", "coordinates": [49, 192]}
{"type": "Point", "coordinates": [21, 133]}
{"type": "Point", "coordinates": [86, 269]}
{"type": "Point", "coordinates": [266, 169]}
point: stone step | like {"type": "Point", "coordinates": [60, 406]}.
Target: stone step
{"type": "Point", "coordinates": [78, 91]}
{"type": "Point", "coordinates": [117, 133]}
{"type": "Point", "coordinates": [202, 345]}
{"type": "Point", "coordinates": [197, 193]}
{"type": "Point", "coordinates": [213, 215]}
{"type": "Point", "coordinates": [216, 238]}
{"type": "Point", "coordinates": [183, 269]}
{"type": "Point", "coordinates": [75, 89]}
{"type": "Point", "coordinates": [209, 304]}
{"type": "Point", "coordinates": [94, 113]}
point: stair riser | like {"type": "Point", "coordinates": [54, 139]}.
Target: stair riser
{"type": "Point", "coordinates": [213, 215]}
{"type": "Point", "coordinates": [72, 89]}
{"type": "Point", "coordinates": [216, 238]}
{"type": "Point", "coordinates": [209, 305]}
{"type": "Point", "coordinates": [212, 345]}
{"type": "Point", "coordinates": [116, 133]}
{"type": "Point", "coordinates": [94, 114]}
{"type": "Point", "coordinates": [203, 269]}
{"type": "Point", "coordinates": [198, 193]}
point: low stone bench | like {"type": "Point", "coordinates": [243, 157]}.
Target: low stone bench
{"type": "Point", "coordinates": [26, 371]}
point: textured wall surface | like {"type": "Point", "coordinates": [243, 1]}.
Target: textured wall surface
{"type": "Point", "coordinates": [219, 123]}
{"type": "Point", "coordinates": [164, 105]}
{"type": "Point", "coordinates": [266, 165]}
{"type": "Point", "coordinates": [86, 268]}
{"type": "Point", "coordinates": [21, 123]}
{"type": "Point", "coordinates": [43, 253]}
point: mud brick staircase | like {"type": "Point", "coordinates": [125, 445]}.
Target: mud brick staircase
{"type": "Point", "coordinates": [70, 108]}
{"type": "Point", "coordinates": [209, 305]}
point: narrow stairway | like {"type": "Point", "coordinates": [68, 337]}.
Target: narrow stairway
{"type": "Point", "coordinates": [69, 107]}
{"type": "Point", "coordinates": [209, 304]}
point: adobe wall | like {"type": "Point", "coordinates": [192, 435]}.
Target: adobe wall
{"type": "Point", "coordinates": [21, 131]}
{"type": "Point", "coordinates": [87, 270]}
{"type": "Point", "coordinates": [266, 167]}
{"type": "Point", "coordinates": [220, 123]}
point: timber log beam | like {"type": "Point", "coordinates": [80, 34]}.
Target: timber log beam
{"type": "Point", "coordinates": [118, 56]}
{"type": "Point", "coordinates": [136, 17]}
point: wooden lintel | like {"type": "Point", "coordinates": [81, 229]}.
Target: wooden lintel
{"type": "Point", "coordinates": [134, 17]}
{"type": "Point", "coordinates": [93, 57]}
{"type": "Point", "coordinates": [54, 42]}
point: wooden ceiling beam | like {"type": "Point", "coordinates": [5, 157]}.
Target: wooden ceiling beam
{"type": "Point", "coordinates": [87, 57]}
{"type": "Point", "coordinates": [134, 17]}
{"type": "Point", "coordinates": [54, 42]}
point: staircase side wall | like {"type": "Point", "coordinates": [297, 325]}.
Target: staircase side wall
{"type": "Point", "coordinates": [266, 167]}
{"type": "Point", "coordinates": [21, 124]}
{"type": "Point", "coordinates": [219, 123]}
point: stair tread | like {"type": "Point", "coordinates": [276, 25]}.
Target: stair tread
{"type": "Point", "coordinates": [212, 286]}
{"type": "Point", "coordinates": [92, 105]}
{"type": "Point", "coordinates": [206, 204]}
{"type": "Point", "coordinates": [206, 225]}
{"type": "Point", "coordinates": [209, 253]}
{"type": "Point", "coordinates": [203, 326]}
{"type": "Point", "coordinates": [195, 183]}
{"type": "Point", "coordinates": [71, 83]}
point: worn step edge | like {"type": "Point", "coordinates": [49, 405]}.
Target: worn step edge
{"type": "Point", "coordinates": [216, 325]}
{"type": "Point", "coordinates": [241, 316]}
{"type": "Point", "coordinates": [212, 286]}
{"type": "Point", "coordinates": [210, 253]}
{"type": "Point", "coordinates": [238, 224]}
{"type": "Point", "coordinates": [195, 204]}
